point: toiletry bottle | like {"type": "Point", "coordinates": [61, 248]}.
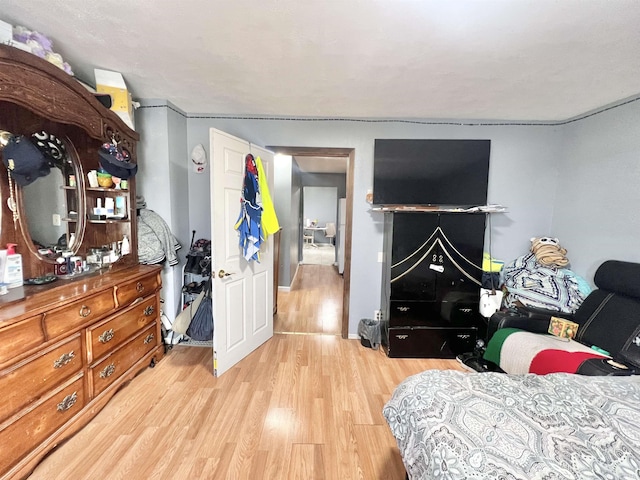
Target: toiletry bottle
{"type": "Point", "coordinates": [125, 248]}
{"type": "Point", "coordinates": [13, 267]}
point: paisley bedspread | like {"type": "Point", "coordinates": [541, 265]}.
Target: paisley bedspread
{"type": "Point", "coordinates": [456, 425]}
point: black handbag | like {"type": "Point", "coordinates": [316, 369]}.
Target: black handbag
{"type": "Point", "coordinates": [201, 326]}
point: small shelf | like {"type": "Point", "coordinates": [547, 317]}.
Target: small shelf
{"type": "Point", "coordinates": [109, 190]}
{"type": "Point", "coordinates": [110, 220]}
{"type": "Point", "coordinates": [474, 209]}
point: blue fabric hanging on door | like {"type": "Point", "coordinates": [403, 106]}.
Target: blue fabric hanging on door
{"type": "Point", "coordinates": [249, 224]}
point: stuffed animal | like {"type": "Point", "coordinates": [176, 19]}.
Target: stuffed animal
{"type": "Point", "coordinates": [549, 252]}
{"type": "Point", "coordinates": [41, 46]}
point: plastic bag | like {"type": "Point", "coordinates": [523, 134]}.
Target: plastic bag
{"type": "Point", "coordinates": [369, 330]}
{"type": "Point", "coordinates": [201, 326]}
{"type": "Point", "coordinates": [184, 318]}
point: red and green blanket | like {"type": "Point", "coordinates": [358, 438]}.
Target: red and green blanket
{"type": "Point", "coordinates": [518, 351]}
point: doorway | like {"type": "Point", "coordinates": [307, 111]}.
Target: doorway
{"type": "Point", "coordinates": [320, 217]}
{"type": "Point", "coordinates": [318, 291]}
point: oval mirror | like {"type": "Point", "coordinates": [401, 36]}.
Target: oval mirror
{"type": "Point", "coordinates": [51, 210]}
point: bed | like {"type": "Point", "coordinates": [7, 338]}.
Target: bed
{"type": "Point", "coordinates": [456, 425]}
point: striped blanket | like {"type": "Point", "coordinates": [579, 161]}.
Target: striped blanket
{"type": "Point", "coordinates": [518, 351]}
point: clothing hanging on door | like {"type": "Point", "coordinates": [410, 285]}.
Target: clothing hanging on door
{"type": "Point", "coordinates": [249, 222]}
{"type": "Point", "coordinates": [256, 220]}
{"type": "Point", "coordinates": [270, 224]}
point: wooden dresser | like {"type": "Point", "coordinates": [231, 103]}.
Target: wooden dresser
{"type": "Point", "coordinates": [65, 350]}
{"type": "Point", "coordinates": [67, 346]}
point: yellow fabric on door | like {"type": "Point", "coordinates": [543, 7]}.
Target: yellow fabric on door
{"type": "Point", "coordinates": [270, 224]}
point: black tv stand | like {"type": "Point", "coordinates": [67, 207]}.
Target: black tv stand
{"type": "Point", "coordinates": [431, 284]}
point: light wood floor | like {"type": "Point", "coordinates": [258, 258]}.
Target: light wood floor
{"type": "Point", "coordinates": [314, 302]}
{"type": "Point", "coordinates": [299, 407]}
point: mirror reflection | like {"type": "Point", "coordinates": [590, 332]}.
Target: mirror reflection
{"type": "Point", "coordinates": [47, 209]}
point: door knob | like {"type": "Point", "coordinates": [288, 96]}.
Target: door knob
{"type": "Point", "coordinates": [222, 274]}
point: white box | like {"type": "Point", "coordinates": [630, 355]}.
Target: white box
{"type": "Point", "coordinates": [113, 84]}
{"type": "Point", "coordinates": [6, 32]}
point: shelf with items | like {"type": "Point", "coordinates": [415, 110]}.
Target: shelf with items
{"type": "Point", "coordinates": [105, 204]}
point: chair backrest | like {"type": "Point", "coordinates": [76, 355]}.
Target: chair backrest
{"type": "Point", "coordinates": [609, 317]}
{"type": "Point", "coordinates": [330, 229]}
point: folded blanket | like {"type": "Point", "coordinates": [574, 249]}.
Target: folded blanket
{"type": "Point", "coordinates": [518, 351]}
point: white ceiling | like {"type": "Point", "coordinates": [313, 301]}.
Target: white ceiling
{"type": "Point", "coordinates": [523, 60]}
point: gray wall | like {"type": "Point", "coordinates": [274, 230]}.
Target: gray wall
{"type": "Point", "coordinates": [281, 196]}
{"type": "Point", "coordinates": [596, 210]}
{"type": "Point", "coordinates": [319, 204]}
{"type": "Point", "coordinates": [295, 244]}
{"type": "Point", "coordinates": [162, 181]}
{"type": "Point", "coordinates": [336, 180]}
{"type": "Point", "coordinates": [576, 181]}
{"type": "Point", "coordinates": [523, 176]}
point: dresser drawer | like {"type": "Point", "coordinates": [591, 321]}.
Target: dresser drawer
{"type": "Point", "coordinates": [76, 314]}
{"type": "Point", "coordinates": [26, 381]}
{"type": "Point", "coordinates": [20, 337]}
{"type": "Point", "coordinates": [109, 334]}
{"type": "Point", "coordinates": [106, 371]}
{"type": "Point", "coordinates": [19, 437]}
{"type": "Point", "coordinates": [128, 292]}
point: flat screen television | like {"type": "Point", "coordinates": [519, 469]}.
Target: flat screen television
{"type": "Point", "coordinates": [431, 172]}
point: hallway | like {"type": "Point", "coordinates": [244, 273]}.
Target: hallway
{"type": "Point", "coordinates": [314, 303]}
{"type": "Point", "coordinates": [318, 254]}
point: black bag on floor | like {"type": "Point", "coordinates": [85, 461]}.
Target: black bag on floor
{"type": "Point", "coordinates": [201, 326]}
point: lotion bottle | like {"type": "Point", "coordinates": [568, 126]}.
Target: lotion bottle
{"type": "Point", "coordinates": [13, 267]}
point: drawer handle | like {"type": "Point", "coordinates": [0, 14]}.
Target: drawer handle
{"type": "Point", "coordinates": [68, 402]}
{"type": "Point", "coordinates": [106, 336]}
{"type": "Point", "coordinates": [137, 301]}
{"type": "Point", "coordinates": [85, 311]}
{"type": "Point", "coordinates": [139, 287]}
{"type": "Point", "coordinates": [149, 310]}
{"type": "Point", "coordinates": [107, 371]}
{"type": "Point", "coordinates": [149, 338]}
{"type": "Point", "coordinates": [64, 359]}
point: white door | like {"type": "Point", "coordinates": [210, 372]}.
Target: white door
{"type": "Point", "coordinates": [242, 290]}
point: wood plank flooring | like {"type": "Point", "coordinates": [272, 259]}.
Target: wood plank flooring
{"type": "Point", "coordinates": [305, 406]}
{"type": "Point", "coordinates": [299, 407]}
{"type": "Point", "coordinates": [314, 302]}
